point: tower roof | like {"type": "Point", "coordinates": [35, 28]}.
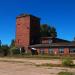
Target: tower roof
{"type": "Point", "coordinates": [24, 15]}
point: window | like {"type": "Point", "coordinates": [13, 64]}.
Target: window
{"type": "Point", "coordinates": [61, 50]}
{"type": "Point", "coordinates": [42, 51]}
{"type": "Point", "coordinates": [50, 50]}
{"type": "Point", "coordinates": [18, 41]}
{"type": "Point", "coordinates": [72, 50]}
{"type": "Point", "coordinates": [18, 24]}
{"type": "Point", "coordinates": [27, 27]}
{"type": "Point", "coordinates": [49, 41]}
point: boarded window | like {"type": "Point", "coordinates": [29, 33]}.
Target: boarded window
{"type": "Point", "coordinates": [42, 51]}
{"type": "Point", "coordinates": [50, 50]}
{"type": "Point", "coordinates": [61, 50]}
{"type": "Point", "coordinates": [72, 50]}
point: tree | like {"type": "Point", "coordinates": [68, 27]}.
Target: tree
{"type": "Point", "coordinates": [12, 43]}
{"type": "Point", "coordinates": [52, 32]}
{"type": "Point", "coordinates": [5, 50]}
{"type": "Point", "coordinates": [12, 47]}
{"type": "Point", "coordinates": [44, 30]}
{"type": "Point", "coordinates": [14, 50]}
{"type": "Point", "coordinates": [48, 31]}
{"type": "Point", "coordinates": [0, 43]}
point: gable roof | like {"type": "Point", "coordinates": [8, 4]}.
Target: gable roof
{"type": "Point", "coordinates": [52, 45]}
{"type": "Point", "coordinates": [55, 40]}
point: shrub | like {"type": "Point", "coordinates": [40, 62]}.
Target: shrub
{"type": "Point", "coordinates": [4, 50]}
{"type": "Point", "coordinates": [65, 73]}
{"type": "Point", "coordinates": [67, 62]}
{"type": "Point", "coordinates": [14, 50]}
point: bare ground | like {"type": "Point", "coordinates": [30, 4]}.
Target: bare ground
{"type": "Point", "coordinates": [27, 68]}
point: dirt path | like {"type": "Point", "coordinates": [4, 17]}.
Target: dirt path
{"type": "Point", "coordinates": [27, 68]}
{"type": "Point", "coordinates": [11, 68]}
{"type": "Point", "coordinates": [34, 61]}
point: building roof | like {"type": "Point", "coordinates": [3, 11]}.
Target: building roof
{"type": "Point", "coordinates": [57, 42]}
{"type": "Point", "coordinates": [53, 45]}
{"type": "Point", "coordinates": [24, 15]}
{"type": "Point", "coordinates": [55, 39]}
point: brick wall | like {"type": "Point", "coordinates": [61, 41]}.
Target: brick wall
{"type": "Point", "coordinates": [27, 31]}
{"type": "Point", "coordinates": [23, 31]}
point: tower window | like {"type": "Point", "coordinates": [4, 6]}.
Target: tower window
{"type": "Point", "coordinates": [18, 24]}
{"type": "Point", "coordinates": [18, 41]}
{"type": "Point", "coordinates": [49, 41]}
{"type": "Point", "coordinates": [27, 27]}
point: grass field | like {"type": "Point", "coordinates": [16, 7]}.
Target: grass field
{"type": "Point", "coordinates": [45, 56]}
{"type": "Point", "coordinates": [65, 73]}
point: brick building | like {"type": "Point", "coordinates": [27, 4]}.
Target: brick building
{"type": "Point", "coordinates": [27, 30]}
{"type": "Point", "coordinates": [28, 36]}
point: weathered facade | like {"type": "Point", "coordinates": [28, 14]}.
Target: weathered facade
{"type": "Point", "coordinates": [55, 46]}
{"type": "Point", "coordinates": [27, 30]}
{"type": "Point", "coordinates": [28, 36]}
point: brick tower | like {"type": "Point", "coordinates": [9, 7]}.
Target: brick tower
{"type": "Point", "coordinates": [27, 30]}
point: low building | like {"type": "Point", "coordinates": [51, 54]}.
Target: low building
{"type": "Point", "coordinates": [55, 46]}
{"type": "Point", "coordinates": [28, 36]}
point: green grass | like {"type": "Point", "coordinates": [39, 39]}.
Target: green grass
{"type": "Point", "coordinates": [35, 56]}
{"type": "Point", "coordinates": [45, 56]}
{"type": "Point", "coordinates": [54, 65]}
{"type": "Point", "coordinates": [65, 73]}
{"type": "Point", "coordinates": [48, 65]}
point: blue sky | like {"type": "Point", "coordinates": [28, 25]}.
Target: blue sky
{"type": "Point", "coordinates": [57, 13]}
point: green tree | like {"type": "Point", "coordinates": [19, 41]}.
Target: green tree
{"type": "Point", "coordinates": [52, 32]}
{"type": "Point", "coordinates": [5, 50]}
{"type": "Point", "coordinates": [12, 47]}
{"type": "Point", "coordinates": [14, 50]}
{"type": "Point", "coordinates": [48, 31]}
{"type": "Point", "coordinates": [0, 43]}
{"type": "Point", "coordinates": [12, 43]}
{"type": "Point", "coordinates": [44, 30]}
